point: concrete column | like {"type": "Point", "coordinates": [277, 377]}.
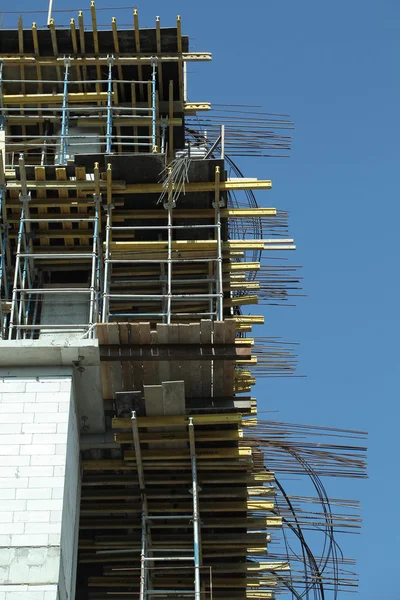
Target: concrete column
{"type": "Point", "coordinates": [39, 486]}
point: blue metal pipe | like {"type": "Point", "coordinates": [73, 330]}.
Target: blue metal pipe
{"type": "Point", "coordinates": [64, 121]}
{"type": "Point", "coordinates": [153, 105]}
{"type": "Point", "coordinates": [109, 106]}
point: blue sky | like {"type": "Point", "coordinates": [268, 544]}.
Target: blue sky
{"type": "Point", "coordinates": [333, 66]}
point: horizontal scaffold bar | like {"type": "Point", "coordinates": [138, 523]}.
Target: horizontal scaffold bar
{"type": "Point", "coordinates": [28, 59]}
{"type": "Point", "coordinates": [119, 187]}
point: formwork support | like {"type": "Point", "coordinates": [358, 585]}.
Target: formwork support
{"type": "Point", "coordinates": [218, 204]}
{"type": "Point", "coordinates": [154, 105]}
{"type": "Point", "coordinates": [64, 117]}
{"type": "Point", "coordinates": [110, 63]}
{"type": "Point", "coordinates": [196, 516]}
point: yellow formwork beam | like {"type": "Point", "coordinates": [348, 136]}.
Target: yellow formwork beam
{"type": "Point", "coordinates": [201, 454]}
{"type": "Point", "coordinates": [11, 99]}
{"type": "Point", "coordinates": [168, 421]}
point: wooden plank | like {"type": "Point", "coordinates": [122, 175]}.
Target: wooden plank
{"type": "Point", "coordinates": [137, 368]}
{"type": "Point", "coordinates": [218, 366]}
{"type": "Point", "coordinates": [149, 369]}
{"type": "Point", "coordinates": [229, 365]}
{"type": "Point", "coordinates": [116, 366]}
{"type": "Point", "coordinates": [205, 337]}
{"type": "Point", "coordinates": [102, 336]}
{"type": "Point", "coordinates": [186, 370]}
{"type": "Point", "coordinates": [127, 373]}
{"type": "Point", "coordinates": [61, 175]}
{"type": "Point", "coordinates": [164, 366]}
{"type": "Point", "coordinates": [173, 398]}
{"type": "Point", "coordinates": [153, 398]}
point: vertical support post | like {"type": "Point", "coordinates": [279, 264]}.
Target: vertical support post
{"type": "Point", "coordinates": [64, 113]}
{"type": "Point", "coordinates": [2, 116]}
{"type": "Point", "coordinates": [49, 12]}
{"type": "Point", "coordinates": [222, 142]}
{"type": "Point", "coordinates": [14, 299]}
{"type": "Point", "coordinates": [170, 117]}
{"type": "Point", "coordinates": [169, 205]}
{"type": "Point", "coordinates": [139, 466]}
{"type": "Point", "coordinates": [106, 289]}
{"type": "Point", "coordinates": [196, 516]}
{"type": "Point", "coordinates": [110, 62]}
{"type": "Point", "coordinates": [217, 204]}
{"type": "Point", "coordinates": [153, 105]}
{"type": "Point", "coordinates": [92, 311]}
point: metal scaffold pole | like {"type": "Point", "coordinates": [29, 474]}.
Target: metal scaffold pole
{"type": "Point", "coordinates": [217, 204]}
{"type": "Point", "coordinates": [196, 516]}
{"type": "Point", "coordinates": [110, 61]}
{"type": "Point", "coordinates": [154, 105]}
{"type": "Point", "coordinates": [64, 119]}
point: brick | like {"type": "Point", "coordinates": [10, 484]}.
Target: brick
{"type": "Point", "coordinates": [17, 482]}
{"type": "Point", "coordinates": [41, 407]}
{"type": "Point", "coordinates": [42, 528]}
{"type": "Point", "coordinates": [9, 494]}
{"type": "Point", "coordinates": [13, 505]}
{"type": "Point", "coordinates": [61, 448]}
{"type": "Point", "coordinates": [28, 539]}
{"type": "Point", "coordinates": [10, 428]}
{"type": "Point", "coordinates": [63, 407]}
{"type": "Point", "coordinates": [11, 384]}
{"type": "Point", "coordinates": [48, 438]}
{"type": "Point", "coordinates": [16, 408]}
{"type": "Point", "coordinates": [23, 438]}
{"type": "Point", "coordinates": [40, 471]}
{"type": "Point", "coordinates": [55, 516]}
{"type": "Point", "coordinates": [59, 471]}
{"type": "Point", "coordinates": [32, 516]}
{"type": "Point", "coordinates": [6, 462]}
{"type": "Point", "coordinates": [40, 428]}
{"type": "Point", "coordinates": [51, 418]}
{"type": "Point", "coordinates": [34, 494]}
{"type": "Point", "coordinates": [19, 417]}
{"type": "Point", "coordinates": [38, 449]}
{"type": "Point", "coordinates": [24, 595]}
{"type": "Point", "coordinates": [44, 385]}
{"type": "Point", "coordinates": [48, 460]}
{"type": "Point", "coordinates": [66, 384]}
{"type": "Point", "coordinates": [18, 397]}
{"type": "Point", "coordinates": [6, 517]}
{"type": "Point", "coordinates": [53, 397]}
{"type": "Point", "coordinates": [38, 482]}
{"type": "Point", "coordinates": [57, 492]}
{"type": "Point", "coordinates": [8, 528]}
{"type": "Point", "coordinates": [5, 540]}
{"type": "Point", "coordinates": [55, 504]}
{"type": "Point", "coordinates": [54, 539]}
{"type": "Point", "coordinates": [62, 427]}
{"type": "Point", "coordinates": [9, 450]}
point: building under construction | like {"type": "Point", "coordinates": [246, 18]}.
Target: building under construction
{"type": "Point", "coordinates": [132, 462]}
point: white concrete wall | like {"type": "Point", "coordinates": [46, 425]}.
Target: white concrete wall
{"type": "Point", "coordinates": [39, 487]}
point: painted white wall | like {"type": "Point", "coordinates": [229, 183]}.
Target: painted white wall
{"type": "Point", "coordinates": [39, 487]}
